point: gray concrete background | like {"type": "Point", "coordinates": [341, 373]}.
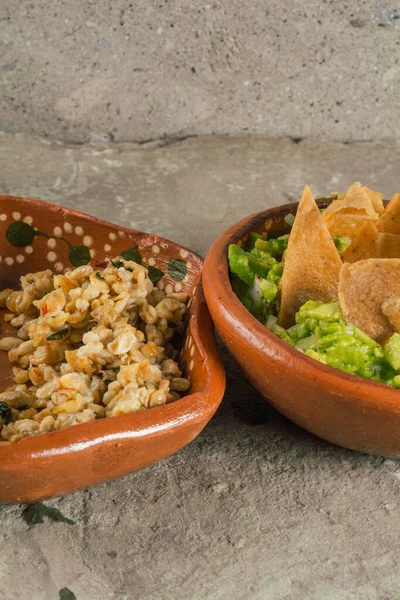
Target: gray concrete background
{"type": "Point", "coordinates": [255, 508]}
{"type": "Point", "coordinates": [81, 69]}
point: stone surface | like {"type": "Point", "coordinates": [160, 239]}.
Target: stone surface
{"type": "Point", "coordinates": [255, 508]}
{"type": "Point", "coordinates": [140, 70]}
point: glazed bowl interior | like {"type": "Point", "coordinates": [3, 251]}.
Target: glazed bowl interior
{"type": "Point", "coordinates": [339, 407]}
{"type": "Point", "coordinates": [64, 229]}
{"type": "Point", "coordinates": [59, 235]}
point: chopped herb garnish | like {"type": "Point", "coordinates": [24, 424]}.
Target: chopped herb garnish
{"type": "Point", "coordinates": [117, 264]}
{"type": "Point", "coordinates": [155, 274]}
{"type": "Point", "coordinates": [5, 412]}
{"type": "Point", "coordinates": [31, 281]}
{"type": "Point", "coordinates": [99, 276]}
{"type": "Point", "coordinates": [66, 594]}
{"type": "Point", "coordinates": [132, 254]}
{"type": "Point", "coordinates": [59, 335]}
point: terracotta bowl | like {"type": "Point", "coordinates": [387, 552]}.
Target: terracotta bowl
{"type": "Point", "coordinates": [341, 408]}
{"type": "Point", "coordinates": [83, 455]}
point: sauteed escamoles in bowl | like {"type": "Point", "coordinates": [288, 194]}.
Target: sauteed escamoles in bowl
{"type": "Point", "coordinates": [108, 357]}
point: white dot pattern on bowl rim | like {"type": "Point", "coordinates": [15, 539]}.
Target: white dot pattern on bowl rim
{"type": "Point", "coordinates": [16, 215]}
{"type": "Point", "coordinates": [51, 256]}
{"type": "Point", "coordinates": [87, 241]}
{"type": "Point", "coordinates": [20, 258]}
{"type": "Point", "coordinates": [107, 247]}
{"type": "Point", "coordinates": [51, 243]}
{"type": "Point", "coordinates": [57, 231]}
{"type": "Point", "coordinates": [28, 249]}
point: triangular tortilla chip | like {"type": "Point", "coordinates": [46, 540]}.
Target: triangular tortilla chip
{"type": "Point", "coordinates": [389, 221]}
{"type": "Point", "coordinates": [357, 198]}
{"type": "Point", "coordinates": [391, 310]}
{"type": "Point", "coordinates": [312, 262]}
{"type": "Point", "coordinates": [377, 200]}
{"type": "Point", "coordinates": [388, 245]}
{"type": "Point", "coordinates": [370, 243]}
{"type": "Point", "coordinates": [348, 225]}
{"type": "Point", "coordinates": [363, 288]}
{"type": "Point", "coordinates": [364, 244]}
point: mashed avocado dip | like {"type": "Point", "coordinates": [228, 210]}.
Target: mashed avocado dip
{"type": "Point", "coordinates": [320, 330]}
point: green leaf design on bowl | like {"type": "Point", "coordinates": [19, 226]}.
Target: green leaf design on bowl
{"type": "Point", "coordinates": [20, 234]}
{"type": "Point", "coordinates": [79, 255]}
{"type": "Point", "coordinates": [177, 269]}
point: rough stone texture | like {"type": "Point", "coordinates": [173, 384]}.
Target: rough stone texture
{"type": "Point", "coordinates": [254, 508]}
{"type": "Point", "coordinates": [81, 69]}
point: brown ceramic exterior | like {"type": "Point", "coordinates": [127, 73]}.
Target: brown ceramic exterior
{"type": "Point", "coordinates": [83, 455]}
{"type": "Point", "coordinates": [341, 408]}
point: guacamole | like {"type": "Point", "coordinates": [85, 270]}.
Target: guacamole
{"type": "Point", "coordinates": [256, 271]}
{"type": "Point", "coordinates": [320, 330]}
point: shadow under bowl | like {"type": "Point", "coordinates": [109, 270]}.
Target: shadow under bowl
{"type": "Point", "coordinates": [79, 456]}
{"type": "Point", "coordinates": [344, 409]}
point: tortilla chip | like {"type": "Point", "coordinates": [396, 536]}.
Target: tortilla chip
{"type": "Point", "coordinates": [370, 243]}
{"type": "Point", "coordinates": [312, 262]}
{"type": "Point", "coordinates": [348, 224]}
{"type": "Point", "coordinates": [357, 199]}
{"type": "Point", "coordinates": [391, 310]}
{"type": "Point", "coordinates": [377, 201]}
{"type": "Point", "coordinates": [364, 244]}
{"type": "Point", "coordinates": [388, 245]}
{"type": "Point", "coordinates": [363, 288]}
{"type": "Point", "coordinates": [389, 222]}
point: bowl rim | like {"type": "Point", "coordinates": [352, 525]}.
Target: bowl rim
{"type": "Point", "coordinates": [192, 407]}
{"type": "Point", "coordinates": [86, 217]}
{"type": "Point", "coordinates": [223, 300]}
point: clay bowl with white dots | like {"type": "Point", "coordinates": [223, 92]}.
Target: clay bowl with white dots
{"type": "Point", "coordinates": [34, 236]}
{"type": "Point", "coordinates": [344, 409]}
